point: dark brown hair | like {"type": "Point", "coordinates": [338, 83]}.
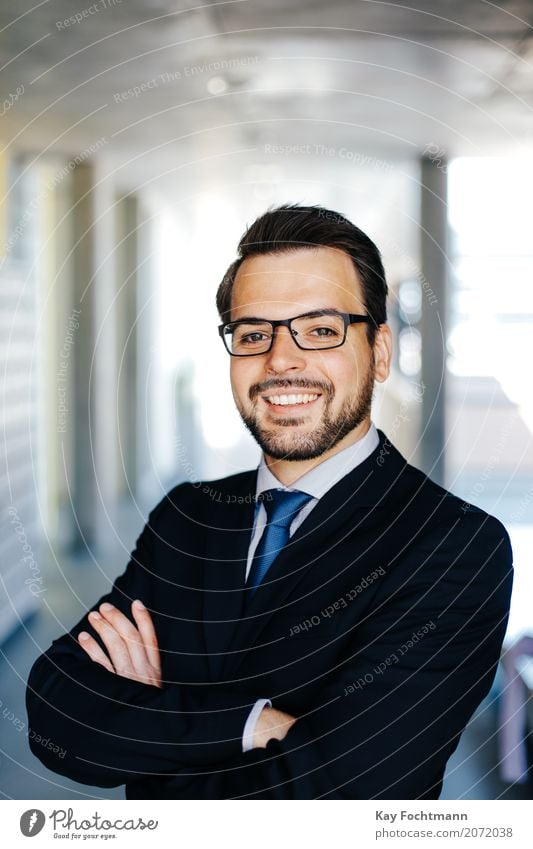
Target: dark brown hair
{"type": "Point", "coordinates": [292, 227]}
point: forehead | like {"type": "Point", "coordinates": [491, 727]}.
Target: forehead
{"type": "Point", "coordinates": [284, 284]}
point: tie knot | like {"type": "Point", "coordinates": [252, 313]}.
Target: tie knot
{"type": "Point", "coordinates": [282, 506]}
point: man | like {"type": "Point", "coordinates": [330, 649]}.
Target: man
{"type": "Point", "coordinates": [322, 627]}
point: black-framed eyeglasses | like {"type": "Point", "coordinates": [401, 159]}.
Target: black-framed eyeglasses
{"type": "Point", "coordinates": [318, 330]}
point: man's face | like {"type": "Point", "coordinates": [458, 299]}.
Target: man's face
{"type": "Point", "coordinates": [339, 381]}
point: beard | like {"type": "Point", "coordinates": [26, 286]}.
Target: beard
{"type": "Point", "coordinates": [281, 444]}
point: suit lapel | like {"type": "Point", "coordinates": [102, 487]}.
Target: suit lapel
{"type": "Point", "coordinates": [347, 506]}
{"type": "Point", "coordinates": [228, 537]}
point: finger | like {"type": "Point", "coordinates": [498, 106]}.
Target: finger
{"type": "Point", "coordinates": [129, 634]}
{"type": "Point", "coordinates": [147, 631]}
{"type": "Point", "coordinates": [115, 645]}
{"type": "Point", "coordinates": [94, 651]}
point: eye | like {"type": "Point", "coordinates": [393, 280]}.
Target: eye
{"type": "Point", "coordinates": [324, 331]}
{"type": "Point", "coordinates": [252, 338]}
{"type": "Point", "coordinates": [319, 331]}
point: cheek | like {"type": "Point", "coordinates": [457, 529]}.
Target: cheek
{"type": "Point", "coordinates": [343, 370]}
{"type": "Point", "coordinates": [242, 376]}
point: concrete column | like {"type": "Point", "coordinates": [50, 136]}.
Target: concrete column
{"type": "Point", "coordinates": [127, 332]}
{"type": "Point", "coordinates": [104, 382]}
{"type": "Point", "coordinates": [95, 450]}
{"type": "Point", "coordinates": [434, 268]}
{"type": "Point", "coordinates": [149, 488]}
{"type": "Point", "coordinates": [81, 476]}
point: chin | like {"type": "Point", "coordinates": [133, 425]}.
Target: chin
{"type": "Point", "coordinates": [296, 447]}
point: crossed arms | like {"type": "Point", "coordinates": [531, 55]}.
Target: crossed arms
{"type": "Point", "coordinates": [133, 652]}
{"type": "Point", "coordinates": [362, 735]}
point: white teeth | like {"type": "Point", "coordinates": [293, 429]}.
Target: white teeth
{"type": "Point", "coordinates": [291, 399]}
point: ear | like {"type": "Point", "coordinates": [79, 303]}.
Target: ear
{"type": "Point", "coordinates": [383, 352]}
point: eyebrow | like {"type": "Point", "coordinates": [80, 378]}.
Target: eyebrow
{"type": "Point", "coordinates": [311, 314]}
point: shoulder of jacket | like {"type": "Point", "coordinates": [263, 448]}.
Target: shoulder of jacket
{"type": "Point", "coordinates": [449, 510]}
{"type": "Point", "coordinates": [192, 497]}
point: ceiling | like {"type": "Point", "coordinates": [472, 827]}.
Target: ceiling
{"type": "Point", "coordinates": [228, 81]}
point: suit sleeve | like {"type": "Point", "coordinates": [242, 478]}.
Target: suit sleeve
{"type": "Point", "coordinates": [390, 714]}
{"type": "Point", "coordinates": [113, 730]}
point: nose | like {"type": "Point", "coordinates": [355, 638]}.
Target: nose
{"type": "Point", "coordinates": [284, 355]}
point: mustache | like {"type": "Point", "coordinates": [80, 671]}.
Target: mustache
{"type": "Point", "coordinates": [290, 383]}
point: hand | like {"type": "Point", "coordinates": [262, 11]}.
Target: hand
{"type": "Point", "coordinates": [272, 723]}
{"type": "Point", "coordinates": [133, 652]}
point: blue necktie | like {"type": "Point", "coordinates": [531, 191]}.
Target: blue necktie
{"type": "Point", "coordinates": [281, 508]}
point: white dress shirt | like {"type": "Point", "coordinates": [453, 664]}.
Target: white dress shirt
{"type": "Point", "coordinates": [315, 483]}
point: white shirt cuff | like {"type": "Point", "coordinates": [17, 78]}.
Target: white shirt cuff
{"type": "Point", "coordinates": [251, 722]}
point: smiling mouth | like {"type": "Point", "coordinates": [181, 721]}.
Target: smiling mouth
{"type": "Point", "coordinates": [292, 400]}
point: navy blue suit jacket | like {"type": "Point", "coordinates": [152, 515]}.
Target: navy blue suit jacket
{"type": "Point", "coordinates": [379, 626]}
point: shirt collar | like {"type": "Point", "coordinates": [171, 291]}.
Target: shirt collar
{"type": "Point", "coordinates": [317, 482]}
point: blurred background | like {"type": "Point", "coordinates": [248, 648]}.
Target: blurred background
{"type": "Point", "coordinates": [138, 140]}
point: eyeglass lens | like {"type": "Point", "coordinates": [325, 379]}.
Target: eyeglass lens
{"type": "Point", "coordinates": [325, 331]}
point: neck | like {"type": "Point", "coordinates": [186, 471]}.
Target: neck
{"type": "Point", "coordinates": [289, 471]}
